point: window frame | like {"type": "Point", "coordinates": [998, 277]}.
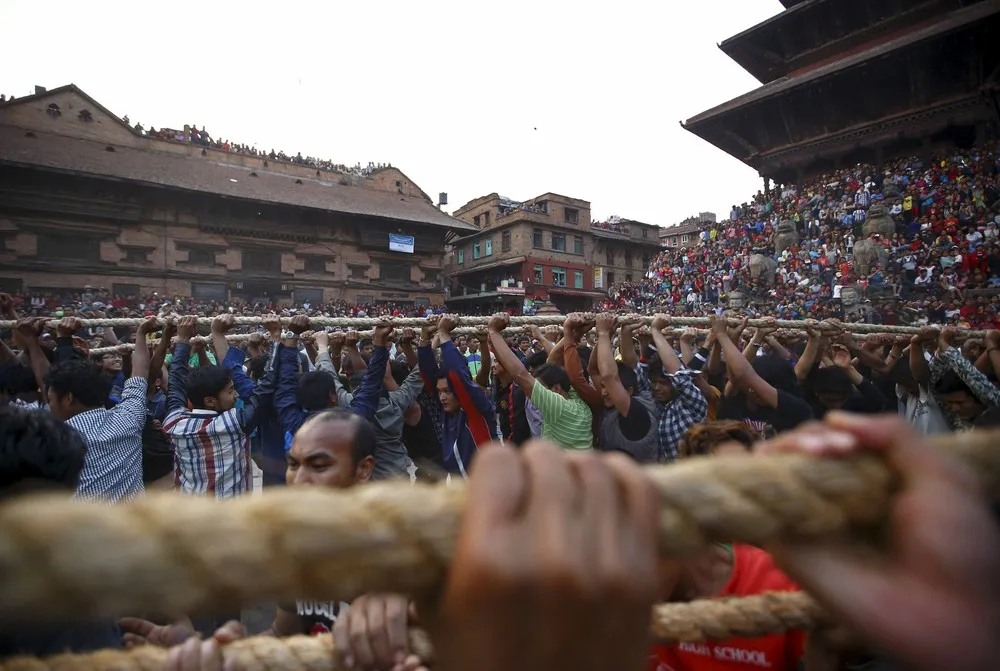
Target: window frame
{"type": "Point", "coordinates": [558, 236]}
{"type": "Point", "coordinates": [556, 272]}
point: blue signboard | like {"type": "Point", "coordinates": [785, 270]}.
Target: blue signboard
{"type": "Point", "coordinates": [400, 243]}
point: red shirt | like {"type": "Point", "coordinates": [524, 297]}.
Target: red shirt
{"type": "Point", "coordinates": [754, 572]}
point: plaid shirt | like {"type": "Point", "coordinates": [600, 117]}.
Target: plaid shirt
{"type": "Point", "coordinates": [112, 467]}
{"type": "Point", "coordinates": [687, 408]}
{"type": "Point", "coordinates": [980, 385]}
{"type": "Point", "coordinates": [211, 450]}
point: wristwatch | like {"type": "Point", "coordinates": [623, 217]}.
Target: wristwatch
{"type": "Point", "coordinates": [289, 335]}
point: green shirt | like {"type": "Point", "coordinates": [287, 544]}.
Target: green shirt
{"type": "Point", "coordinates": [565, 421]}
{"type": "Point", "coordinates": [193, 361]}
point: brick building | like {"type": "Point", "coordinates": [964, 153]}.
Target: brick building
{"type": "Point", "coordinates": [87, 200]}
{"type": "Point", "coordinates": [685, 233]}
{"type": "Point", "coordinates": [546, 248]}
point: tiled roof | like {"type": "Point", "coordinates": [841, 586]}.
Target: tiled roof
{"type": "Point", "coordinates": [165, 169]}
{"type": "Point", "coordinates": [681, 229]}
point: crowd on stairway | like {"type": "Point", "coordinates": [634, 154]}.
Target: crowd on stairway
{"type": "Point", "coordinates": [940, 266]}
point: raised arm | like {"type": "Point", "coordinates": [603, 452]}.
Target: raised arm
{"type": "Point", "coordinates": [221, 326]}
{"type": "Point", "coordinates": [470, 396]}
{"type": "Point", "coordinates": [351, 347]}
{"type": "Point", "coordinates": [29, 330]}
{"type": "Point", "coordinates": [741, 373]}
{"type": "Point", "coordinates": [286, 400]}
{"type": "Point", "coordinates": [248, 416]}
{"type": "Point", "coordinates": [606, 324]}
{"type": "Point", "coordinates": [919, 368]}
{"type": "Point", "coordinates": [160, 353]}
{"type": "Point", "coordinates": [365, 401]}
{"type": "Point", "coordinates": [806, 362]}
{"type": "Point", "coordinates": [177, 386]}
{"type": "Point", "coordinates": [985, 391]}
{"type": "Point", "coordinates": [486, 362]}
{"type": "Point", "coordinates": [140, 355]}
{"type": "Point", "coordinates": [668, 357]}
{"type": "Point", "coordinates": [406, 347]}
{"type": "Point", "coordinates": [426, 360]}
{"type": "Point", "coordinates": [506, 357]}
{"type": "Point", "coordinates": [629, 323]}
{"type": "Point", "coordinates": [65, 351]}
{"type": "Point", "coordinates": [535, 332]}
{"type": "Point", "coordinates": [572, 330]}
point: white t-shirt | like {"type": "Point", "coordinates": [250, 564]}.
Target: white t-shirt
{"type": "Point", "coordinates": [922, 412]}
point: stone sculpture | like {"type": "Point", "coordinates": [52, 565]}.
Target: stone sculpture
{"type": "Point", "coordinates": [785, 236]}
{"type": "Point", "coordinates": [879, 221]}
{"type": "Point", "coordinates": [867, 253]}
{"type": "Point", "coordinates": [762, 269]}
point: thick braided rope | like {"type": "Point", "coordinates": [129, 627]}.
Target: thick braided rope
{"type": "Point", "coordinates": [702, 620]}
{"type": "Point", "coordinates": [177, 554]}
{"type": "Point", "coordinates": [259, 653]}
{"type": "Point", "coordinates": [746, 617]}
{"type": "Point", "coordinates": [537, 320]}
{"type": "Point", "coordinates": [461, 330]}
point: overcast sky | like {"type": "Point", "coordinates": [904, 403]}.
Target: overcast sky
{"type": "Point", "coordinates": [467, 97]}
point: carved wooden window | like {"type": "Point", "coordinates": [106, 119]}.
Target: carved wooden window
{"type": "Point", "coordinates": [261, 259]}
{"type": "Point", "coordinates": [136, 255]}
{"type": "Point", "coordinates": [78, 246]}
{"type": "Point", "coordinates": [315, 264]}
{"type": "Point", "coordinates": [201, 256]}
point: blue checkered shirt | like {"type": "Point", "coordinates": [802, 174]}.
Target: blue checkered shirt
{"type": "Point", "coordinates": [687, 408]}
{"type": "Point", "coordinates": [112, 467]}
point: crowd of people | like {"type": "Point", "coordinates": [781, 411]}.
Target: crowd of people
{"type": "Point", "coordinates": [614, 224]}
{"type": "Point", "coordinates": [310, 406]}
{"type": "Point", "coordinates": [203, 139]}
{"type": "Point", "coordinates": [556, 565]}
{"type": "Point", "coordinates": [940, 266]}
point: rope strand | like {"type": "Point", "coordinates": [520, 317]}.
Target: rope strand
{"type": "Point", "coordinates": [186, 555]}
{"type": "Point", "coordinates": [535, 320]}
{"type": "Point", "coordinates": [701, 620]}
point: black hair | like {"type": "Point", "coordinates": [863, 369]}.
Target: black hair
{"type": "Point", "coordinates": [654, 367]}
{"type": "Point", "coordinates": [950, 382]}
{"type": "Point", "coordinates": [364, 434]}
{"type": "Point", "coordinates": [551, 375]}
{"type": "Point", "coordinates": [257, 366]}
{"type": "Point", "coordinates": [523, 338]}
{"type": "Point", "coordinates": [84, 379]}
{"type": "Point", "coordinates": [365, 343]}
{"type": "Point", "coordinates": [16, 378]}
{"type": "Point", "coordinates": [830, 379]}
{"type": "Point", "coordinates": [399, 371]}
{"type": "Point", "coordinates": [37, 451]}
{"type": "Point", "coordinates": [776, 372]}
{"type": "Point", "coordinates": [536, 360]}
{"type": "Point", "coordinates": [901, 372]}
{"type": "Point", "coordinates": [628, 377]}
{"type": "Point", "coordinates": [315, 390]}
{"type": "Point", "coordinates": [204, 381]}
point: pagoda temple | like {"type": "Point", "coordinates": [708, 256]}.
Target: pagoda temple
{"type": "Point", "coordinates": [859, 81]}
